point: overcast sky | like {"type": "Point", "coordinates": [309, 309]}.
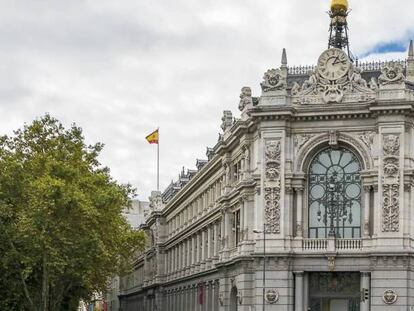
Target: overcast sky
{"type": "Point", "coordinates": [121, 68]}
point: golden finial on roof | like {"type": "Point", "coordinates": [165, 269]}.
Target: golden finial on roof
{"type": "Point", "coordinates": [339, 5]}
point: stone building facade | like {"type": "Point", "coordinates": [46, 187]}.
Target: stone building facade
{"type": "Point", "coordinates": [314, 183]}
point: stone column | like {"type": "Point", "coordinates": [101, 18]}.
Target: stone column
{"type": "Point", "coordinates": [365, 285]}
{"type": "Point", "coordinates": [367, 192]}
{"type": "Point", "coordinates": [242, 219]}
{"type": "Point", "coordinates": [216, 240]}
{"type": "Point", "coordinates": [299, 212]}
{"type": "Point", "coordinates": [199, 249]}
{"type": "Point", "coordinates": [298, 291]}
{"type": "Point", "coordinates": [376, 218]}
{"type": "Point", "coordinates": [209, 245]}
{"type": "Point", "coordinates": [305, 291]}
{"type": "Point", "coordinates": [190, 248]}
{"type": "Point", "coordinates": [227, 233]}
{"type": "Point", "coordinates": [203, 248]}
{"type": "Point", "coordinates": [195, 251]}
{"type": "Point", "coordinates": [172, 260]}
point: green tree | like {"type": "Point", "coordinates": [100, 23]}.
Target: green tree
{"type": "Point", "coordinates": [62, 233]}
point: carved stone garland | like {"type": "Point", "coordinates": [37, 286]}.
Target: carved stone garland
{"type": "Point", "coordinates": [391, 184]}
{"type": "Point", "coordinates": [272, 186]}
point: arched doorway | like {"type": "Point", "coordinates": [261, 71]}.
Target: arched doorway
{"type": "Point", "coordinates": [233, 299]}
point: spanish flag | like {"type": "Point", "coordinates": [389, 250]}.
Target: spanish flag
{"type": "Point", "coordinates": [153, 137]}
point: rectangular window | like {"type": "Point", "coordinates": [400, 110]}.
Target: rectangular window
{"type": "Point", "coordinates": [236, 228]}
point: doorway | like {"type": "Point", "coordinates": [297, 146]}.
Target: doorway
{"type": "Point", "coordinates": [334, 291]}
{"type": "Point", "coordinates": [233, 299]}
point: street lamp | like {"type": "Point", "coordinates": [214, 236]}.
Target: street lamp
{"type": "Point", "coordinates": [336, 206]}
{"type": "Point", "coordinates": [264, 261]}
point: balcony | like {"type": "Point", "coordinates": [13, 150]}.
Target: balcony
{"type": "Point", "coordinates": [338, 245]}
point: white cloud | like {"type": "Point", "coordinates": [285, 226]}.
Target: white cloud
{"type": "Point", "coordinates": [119, 69]}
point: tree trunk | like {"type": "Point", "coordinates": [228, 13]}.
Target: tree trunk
{"type": "Point", "coordinates": [45, 285]}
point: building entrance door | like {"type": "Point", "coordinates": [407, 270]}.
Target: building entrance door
{"type": "Point", "coordinates": [334, 291]}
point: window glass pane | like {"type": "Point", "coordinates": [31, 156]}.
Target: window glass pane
{"type": "Point", "coordinates": [335, 194]}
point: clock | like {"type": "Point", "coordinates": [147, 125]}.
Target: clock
{"type": "Point", "coordinates": [333, 64]}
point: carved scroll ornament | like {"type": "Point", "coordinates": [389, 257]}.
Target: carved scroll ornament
{"type": "Point", "coordinates": [391, 184]}
{"type": "Point", "coordinates": [272, 190]}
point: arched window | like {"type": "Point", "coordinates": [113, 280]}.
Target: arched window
{"type": "Point", "coordinates": [334, 195]}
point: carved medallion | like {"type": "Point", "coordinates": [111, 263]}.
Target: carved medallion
{"type": "Point", "coordinates": [273, 80]}
{"type": "Point", "coordinates": [390, 297]}
{"type": "Point", "coordinates": [391, 145]}
{"type": "Point", "coordinates": [272, 296]}
{"type": "Point", "coordinates": [391, 73]}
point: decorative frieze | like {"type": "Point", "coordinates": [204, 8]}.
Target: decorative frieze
{"type": "Point", "coordinates": [272, 189]}
{"type": "Point", "coordinates": [391, 184]}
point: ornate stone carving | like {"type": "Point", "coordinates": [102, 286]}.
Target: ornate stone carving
{"type": "Point", "coordinates": [373, 85]}
{"type": "Point", "coordinates": [357, 79]}
{"type": "Point", "coordinates": [367, 138]}
{"type": "Point", "coordinates": [272, 209]}
{"type": "Point", "coordinates": [309, 86]}
{"type": "Point", "coordinates": [333, 138]}
{"type": "Point", "coordinates": [391, 74]}
{"type": "Point", "coordinates": [273, 160]}
{"type": "Point", "coordinates": [324, 138]}
{"type": "Point", "coordinates": [246, 99]}
{"type": "Point", "coordinates": [390, 210]}
{"type": "Point", "coordinates": [221, 299]}
{"type": "Point", "coordinates": [391, 168]}
{"type": "Point", "coordinates": [391, 145]}
{"type": "Point", "coordinates": [272, 296]}
{"type": "Point", "coordinates": [273, 80]}
{"type": "Point", "coordinates": [331, 263]}
{"type": "Point", "coordinates": [299, 229]}
{"type": "Point", "coordinates": [389, 297]}
{"type": "Point", "coordinates": [295, 88]}
{"type": "Point", "coordinates": [301, 139]}
{"type": "Point", "coordinates": [391, 184]}
{"type": "Point", "coordinates": [272, 188]}
{"type": "Point", "coordinates": [333, 91]}
{"type": "Point", "coordinates": [227, 120]}
{"type": "Point", "coordinates": [155, 199]}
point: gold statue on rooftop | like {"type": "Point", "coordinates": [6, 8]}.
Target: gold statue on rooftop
{"type": "Point", "coordinates": [339, 5]}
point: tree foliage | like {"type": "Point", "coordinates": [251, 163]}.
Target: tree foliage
{"type": "Point", "coordinates": [62, 233]}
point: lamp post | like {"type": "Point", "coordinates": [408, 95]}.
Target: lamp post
{"type": "Point", "coordinates": [336, 206]}
{"type": "Point", "coordinates": [264, 262]}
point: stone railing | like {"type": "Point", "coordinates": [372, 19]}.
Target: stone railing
{"type": "Point", "coordinates": [314, 244]}
{"type": "Point", "coordinates": [348, 244]}
{"type": "Point", "coordinates": [323, 244]}
{"type": "Point", "coordinates": [365, 66]}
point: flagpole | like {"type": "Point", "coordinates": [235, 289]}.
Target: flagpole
{"type": "Point", "coordinates": [158, 161]}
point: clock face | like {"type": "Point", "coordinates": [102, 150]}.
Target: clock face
{"type": "Point", "coordinates": [333, 64]}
